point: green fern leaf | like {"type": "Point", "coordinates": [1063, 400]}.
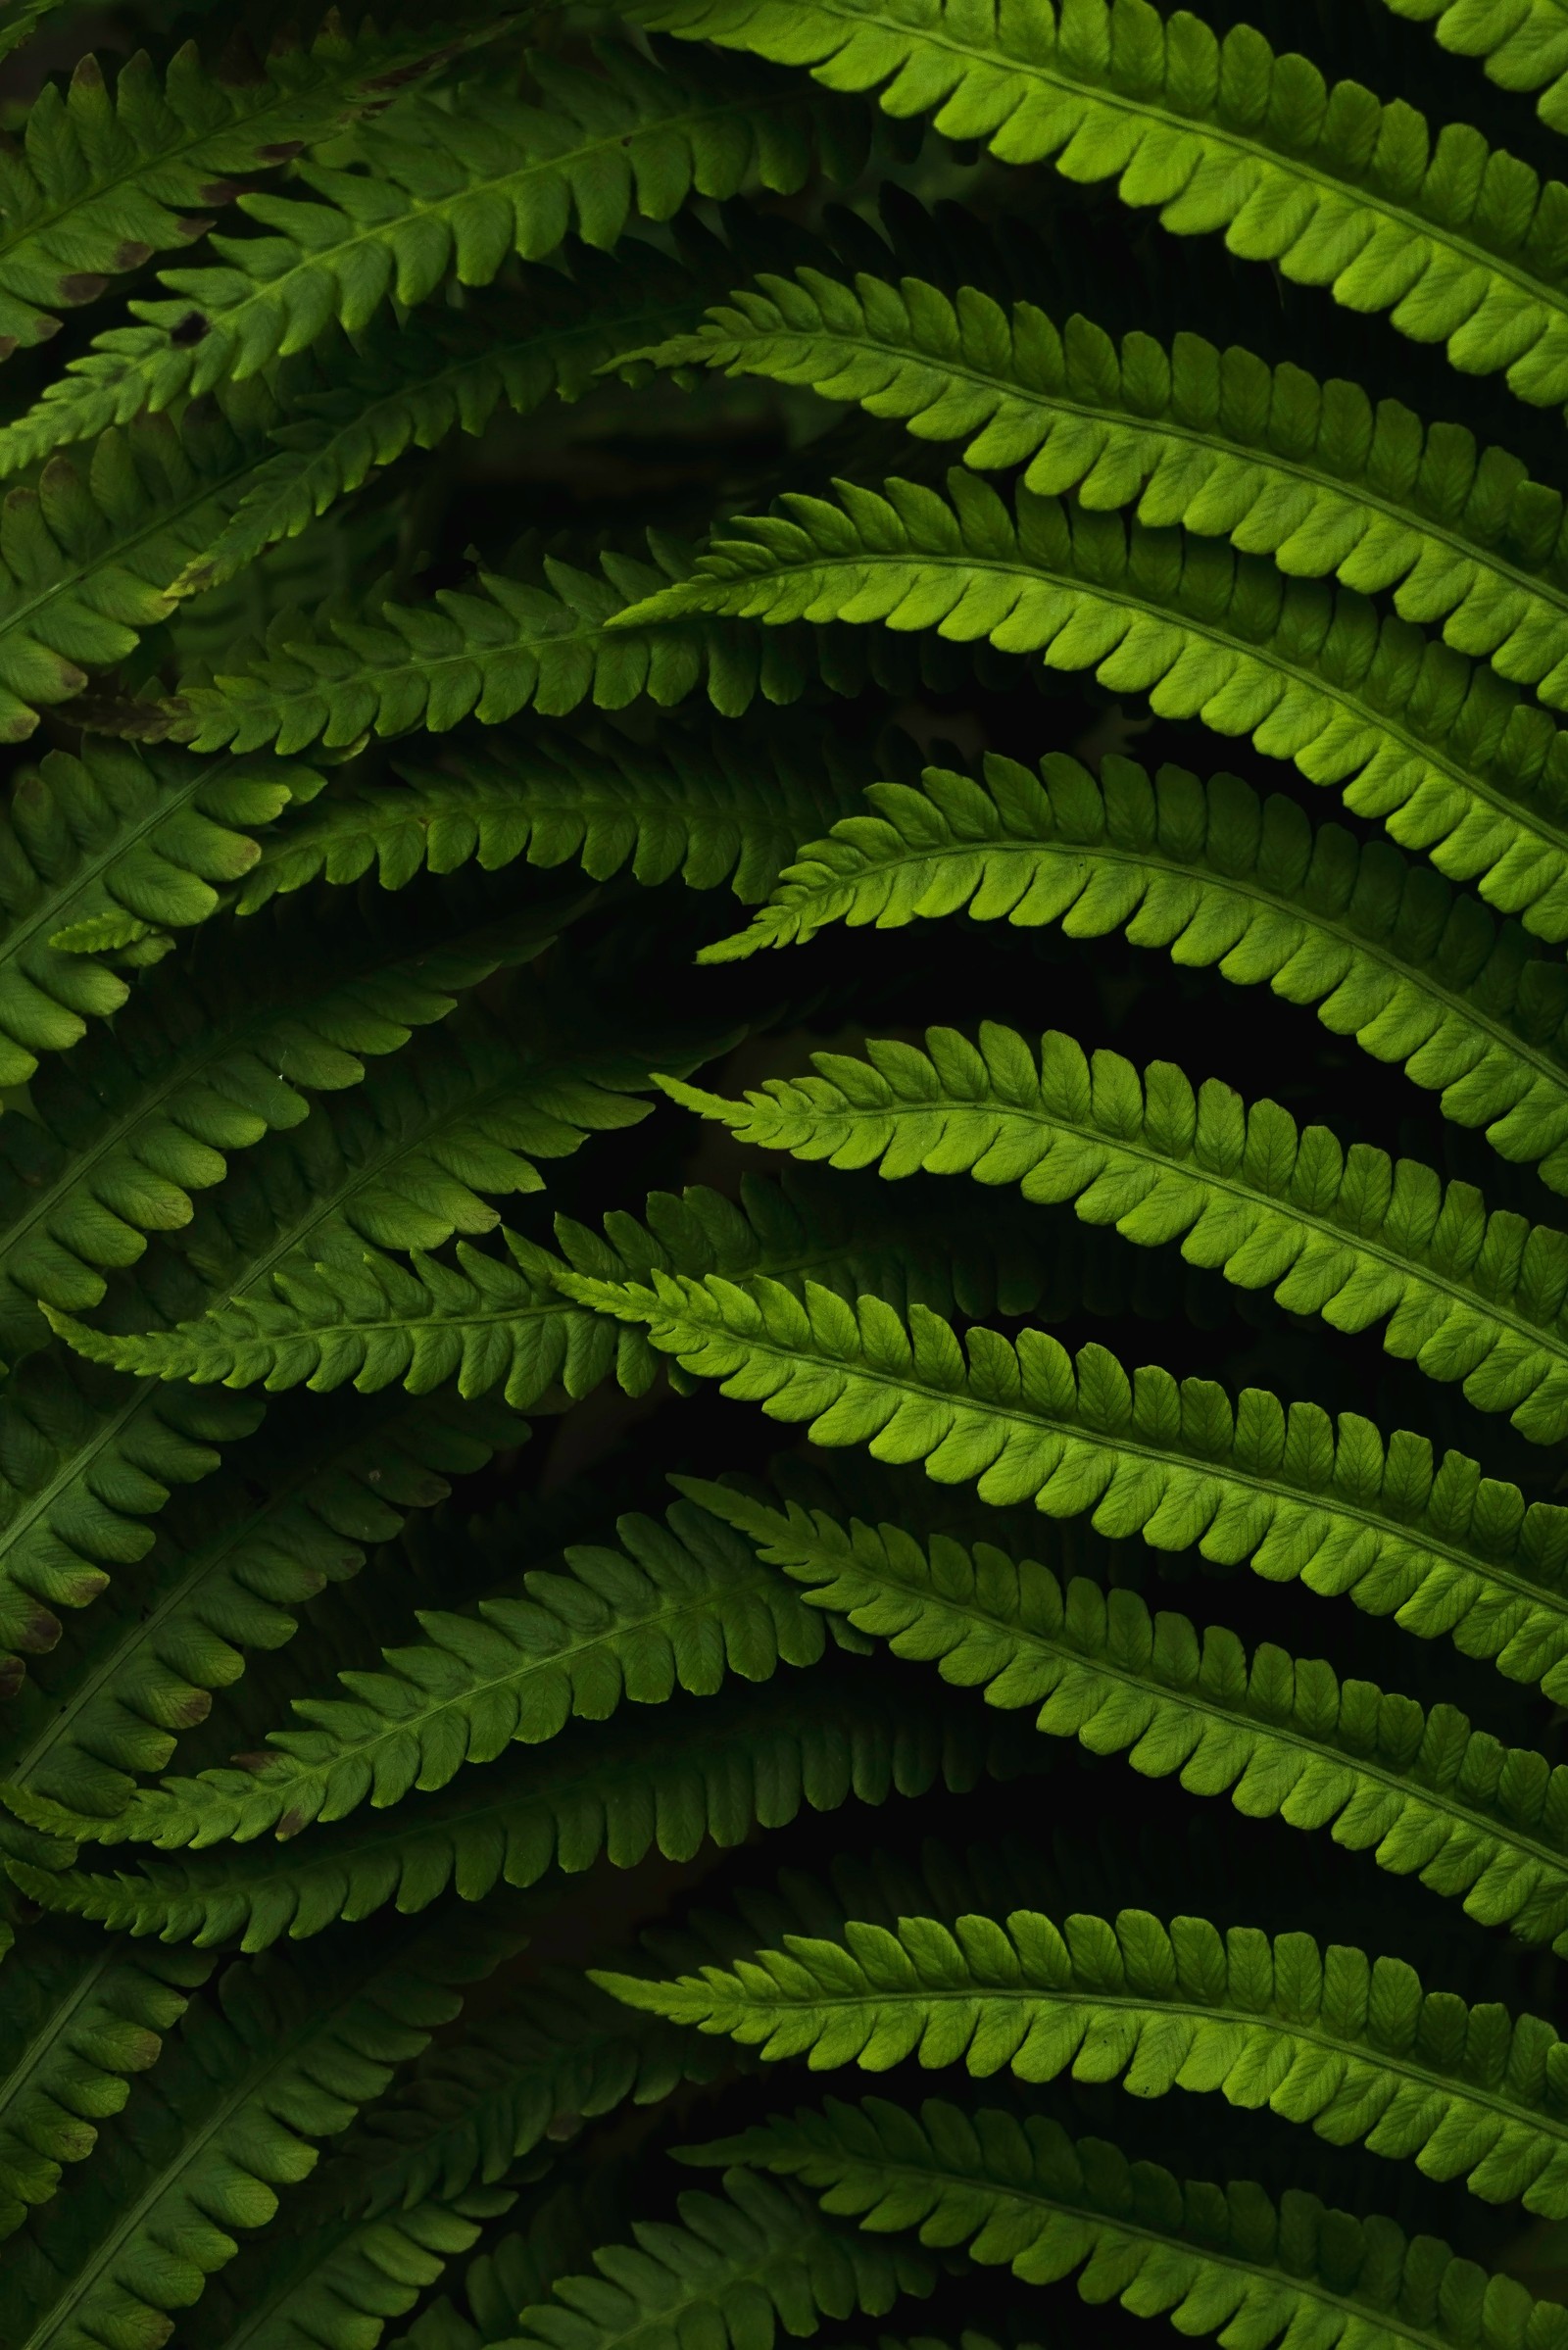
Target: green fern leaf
{"type": "Point", "coordinates": [1447, 757]}
{"type": "Point", "coordinates": [691, 806]}
{"type": "Point", "coordinates": [1285, 1737]}
{"type": "Point", "coordinates": [1213, 441]}
{"type": "Point", "coordinates": [1225, 2260]}
{"type": "Point", "coordinates": [291, 1515]}
{"type": "Point", "coordinates": [740, 2267]}
{"type": "Point", "coordinates": [676, 1606]}
{"type": "Point", "coordinates": [88, 564]}
{"type": "Point", "coordinates": [1356, 1237]}
{"type": "Point", "coordinates": [506, 645]}
{"type": "Point", "coordinates": [1328, 2038]}
{"type": "Point", "coordinates": [1524, 43]}
{"type": "Point", "coordinates": [206, 1062]}
{"type": "Point", "coordinates": [234, 2113]}
{"type": "Point", "coordinates": [450, 189]}
{"type": "Point", "coordinates": [86, 1463]}
{"type": "Point", "coordinates": [351, 1313]}
{"type": "Point", "coordinates": [1459, 244]}
{"type": "Point", "coordinates": [101, 850]}
{"type": "Point", "coordinates": [337, 2287]}
{"type": "Point", "coordinates": [103, 182]}
{"type": "Point", "coordinates": [712, 1772]}
{"type": "Point", "coordinates": [1387, 954]}
{"type": "Point", "coordinates": [1180, 1465]}
{"type": "Point", "coordinates": [78, 2021]}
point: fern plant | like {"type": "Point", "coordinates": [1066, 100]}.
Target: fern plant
{"type": "Point", "coordinates": [684, 1402]}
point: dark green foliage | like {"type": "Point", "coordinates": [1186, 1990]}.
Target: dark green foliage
{"type": "Point", "coordinates": [593, 1522]}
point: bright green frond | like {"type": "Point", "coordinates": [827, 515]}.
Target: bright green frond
{"type": "Point", "coordinates": [234, 2113]}
{"type": "Point", "coordinates": [1216, 441]}
{"type": "Point", "coordinates": [681, 1605]}
{"type": "Point", "coordinates": [1178, 1464]}
{"type": "Point", "coordinates": [85, 1462]}
{"type": "Point", "coordinates": [1351, 2046]}
{"type": "Point", "coordinates": [1460, 244]}
{"type": "Point", "coordinates": [1449, 758]}
{"type": "Point", "coordinates": [78, 2018]}
{"type": "Point", "coordinates": [1355, 1236]}
{"type": "Point", "coordinates": [1382, 950]}
{"type": "Point", "coordinates": [1225, 2260]}
{"type": "Point", "coordinates": [444, 190]}
{"type": "Point", "coordinates": [738, 2268]}
{"type": "Point", "coordinates": [1284, 1736]}
{"type": "Point", "coordinates": [206, 1060]}
{"type": "Point", "coordinates": [1524, 43]}
{"type": "Point", "coordinates": [691, 807]}
{"type": "Point", "coordinates": [292, 1514]}
{"type": "Point", "coordinates": [103, 180]}
{"type": "Point", "coordinates": [715, 1771]}
{"type": "Point", "coordinates": [101, 850]}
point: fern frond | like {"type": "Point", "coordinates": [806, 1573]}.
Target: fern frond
{"type": "Point", "coordinates": [1460, 244]}
{"type": "Point", "coordinates": [1300, 1497]}
{"type": "Point", "coordinates": [680, 1604]}
{"type": "Point", "coordinates": [1022, 2194]}
{"type": "Point", "coordinates": [451, 190]}
{"type": "Point", "coordinates": [235, 2112]}
{"type": "Point", "coordinates": [423, 1147]}
{"type": "Point", "coordinates": [355, 1314]}
{"type": "Point", "coordinates": [509, 2275]}
{"type": "Point", "coordinates": [206, 1061]}
{"type": "Point", "coordinates": [715, 1771]}
{"type": "Point", "coordinates": [409, 387]}
{"type": "Point", "coordinates": [738, 2268]}
{"type": "Point", "coordinates": [1524, 43]}
{"type": "Point", "coordinates": [105, 180]}
{"type": "Point", "coordinates": [98, 852]}
{"type": "Point", "coordinates": [505, 645]}
{"type": "Point", "coordinates": [1356, 1237]}
{"type": "Point", "coordinates": [1352, 2047]}
{"type": "Point", "coordinates": [1382, 950]}
{"type": "Point", "coordinates": [337, 2287]}
{"type": "Point", "coordinates": [1284, 1736]}
{"type": "Point", "coordinates": [292, 1514]}
{"type": "Point", "coordinates": [1214, 441]}
{"type": "Point", "coordinates": [86, 1463]}
{"type": "Point", "coordinates": [78, 2021]}
{"type": "Point", "coordinates": [1447, 757]}
{"type": "Point", "coordinates": [88, 561]}
{"type": "Point", "coordinates": [691, 805]}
